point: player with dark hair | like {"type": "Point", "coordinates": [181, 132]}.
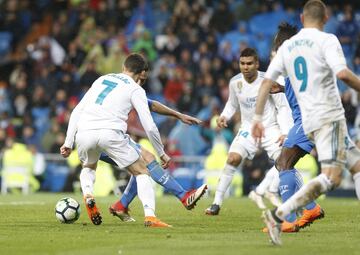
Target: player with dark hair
{"type": "Point", "coordinates": [98, 124]}
{"type": "Point", "coordinates": [243, 92]}
{"type": "Point", "coordinates": [311, 59]}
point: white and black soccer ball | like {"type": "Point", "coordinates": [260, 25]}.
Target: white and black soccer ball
{"type": "Point", "coordinates": [67, 210]}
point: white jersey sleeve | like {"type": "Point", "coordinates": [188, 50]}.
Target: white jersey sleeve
{"type": "Point", "coordinates": [334, 54]}
{"type": "Point", "coordinates": [283, 115]}
{"type": "Point", "coordinates": [74, 119]}
{"type": "Point", "coordinates": [139, 101]}
{"type": "Point", "coordinates": [232, 104]}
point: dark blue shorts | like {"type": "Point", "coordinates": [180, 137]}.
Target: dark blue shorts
{"type": "Point", "coordinates": [297, 137]}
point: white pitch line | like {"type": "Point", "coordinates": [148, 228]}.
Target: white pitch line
{"type": "Point", "coordinates": [17, 203]}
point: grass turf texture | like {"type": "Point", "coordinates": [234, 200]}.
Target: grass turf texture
{"type": "Point", "coordinates": [28, 226]}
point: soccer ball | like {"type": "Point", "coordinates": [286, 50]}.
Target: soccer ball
{"type": "Point", "coordinates": [67, 210]}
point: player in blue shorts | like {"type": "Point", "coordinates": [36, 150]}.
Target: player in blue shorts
{"type": "Point", "coordinates": [296, 146]}
{"type": "Point", "coordinates": [157, 172]}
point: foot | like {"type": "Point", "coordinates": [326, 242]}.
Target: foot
{"type": "Point", "coordinates": [154, 222]}
{"type": "Point", "coordinates": [257, 199]}
{"type": "Point", "coordinates": [92, 210]}
{"type": "Point", "coordinates": [286, 227]}
{"type": "Point", "coordinates": [214, 209]}
{"type": "Point", "coordinates": [118, 210]}
{"type": "Point", "coordinates": [191, 197]}
{"type": "Point", "coordinates": [273, 226]}
{"type": "Point", "coordinates": [273, 198]}
{"type": "Point", "coordinates": [309, 216]}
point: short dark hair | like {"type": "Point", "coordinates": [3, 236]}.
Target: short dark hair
{"type": "Point", "coordinates": [315, 10]}
{"type": "Point", "coordinates": [285, 31]}
{"type": "Point", "coordinates": [249, 52]}
{"type": "Point", "coordinates": [136, 63]}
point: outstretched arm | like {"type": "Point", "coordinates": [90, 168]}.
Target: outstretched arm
{"type": "Point", "coordinates": [162, 109]}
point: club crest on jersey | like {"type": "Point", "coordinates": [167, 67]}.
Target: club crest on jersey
{"type": "Point", "coordinates": [239, 85]}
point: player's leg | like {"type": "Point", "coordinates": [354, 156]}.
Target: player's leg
{"type": "Point", "coordinates": [162, 177]}
{"type": "Point", "coordinates": [119, 147]}
{"type": "Point", "coordinates": [291, 181]}
{"type": "Point", "coordinates": [88, 154]}
{"type": "Point", "coordinates": [120, 208]}
{"type": "Point", "coordinates": [330, 145]}
{"type": "Point", "coordinates": [268, 187]}
{"type": "Point", "coordinates": [242, 146]}
{"type": "Point", "coordinates": [233, 161]}
{"type": "Point", "coordinates": [353, 163]}
{"type": "Point", "coordinates": [146, 193]}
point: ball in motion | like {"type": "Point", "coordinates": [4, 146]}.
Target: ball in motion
{"type": "Point", "coordinates": [67, 210]}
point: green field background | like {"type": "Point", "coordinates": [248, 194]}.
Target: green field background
{"type": "Point", "coordinates": [28, 226]}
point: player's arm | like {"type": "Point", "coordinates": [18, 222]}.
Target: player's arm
{"type": "Point", "coordinates": [139, 102]}
{"type": "Point", "coordinates": [162, 109]}
{"type": "Point", "coordinates": [277, 88]}
{"type": "Point", "coordinates": [230, 108]}
{"type": "Point", "coordinates": [335, 58]}
{"type": "Point", "coordinates": [347, 76]}
{"type": "Point", "coordinates": [283, 116]}
{"type": "Point", "coordinates": [66, 148]}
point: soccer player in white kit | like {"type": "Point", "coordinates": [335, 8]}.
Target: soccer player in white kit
{"type": "Point", "coordinates": [243, 93]}
{"type": "Point", "coordinates": [98, 124]}
{"type": "Point", "coordinates": [312, 59]}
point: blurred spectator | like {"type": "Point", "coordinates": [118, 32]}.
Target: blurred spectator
{"type": "Point", "coordinates": [347, 32]}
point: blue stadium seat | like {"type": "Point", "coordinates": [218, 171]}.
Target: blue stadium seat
{"type": "Point", "coordinates": [5, 42]}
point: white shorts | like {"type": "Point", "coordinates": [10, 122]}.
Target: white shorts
{"type": "Point", "coordinates": [330, 143]}
{"type": "Point", "coordinates": [244, 144]}
{"type": "Point", "coordinates": [353, 154]}
{"type": "Point", "coordinates": [117, 145]}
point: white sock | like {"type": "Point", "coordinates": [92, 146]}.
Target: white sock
{"type": "Point", "coordinates": [356, 178]}
{"type": "Point", "coordinates": [266, 182]}
{"type": "Point", "coordinates": [224, 183]}
{"type": "Point", "coordinates": [87, 180]}
{"type": "Point", "coordinates": [274, 185]}
{"type": "Point", "coordinates": [146, 194]}
{"type": "Point", "coordinates": [307, 193]}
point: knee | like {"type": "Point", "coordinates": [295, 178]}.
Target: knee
{"type": "Point", "coordinates": [335, 177]}
{"type": "Point", "coordinates": [147, 156]}
{"type": "Point", "coordinates": [279, 164]}
{"type": "Point", "coordinates": [282, 164]}
{"type": "Point", "coordinates": [355, 169]}
{"type": "Point", "coordinates": [234, 159]}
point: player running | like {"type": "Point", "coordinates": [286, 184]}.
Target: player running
{"type": "Point", "coordinates": [297, 145]}
{"type": "Point", "coordinates": [311, 59]}
{"type": "Point", "coordinates": [243, 93]}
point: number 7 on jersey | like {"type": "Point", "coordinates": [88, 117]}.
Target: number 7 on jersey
{"type": "Point", "coordinates": [110, 85]}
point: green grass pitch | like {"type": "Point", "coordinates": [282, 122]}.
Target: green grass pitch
{"type": "Point", "coordinates": [28, 226]}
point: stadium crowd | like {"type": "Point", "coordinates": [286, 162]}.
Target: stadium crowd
{"type": "Point", "coordinates": [51, 52]}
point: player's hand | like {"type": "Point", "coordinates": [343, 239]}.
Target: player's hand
{"type": "Point", "coordinates": [189, 120]}
{"type": "Point", "coordinates": [221, 122]}
{"type": "Point", "coordinates": [165, 161]}
{"type": "Point", "coordinates": [276, 88]}
{"type": "Point", "coordinates": [258, 131]}
{"type": "Point", "coordinates": [281, 140]}
{"type": "Point", "coordinates": [65, 151]}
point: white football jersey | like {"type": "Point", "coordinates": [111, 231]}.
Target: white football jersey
{"type": "Point", "coordinates": [311, 59]}
{"type": "Point", "coordinates": [107, 104]}
{"type": "Point", "coordinates": [243, 95]}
